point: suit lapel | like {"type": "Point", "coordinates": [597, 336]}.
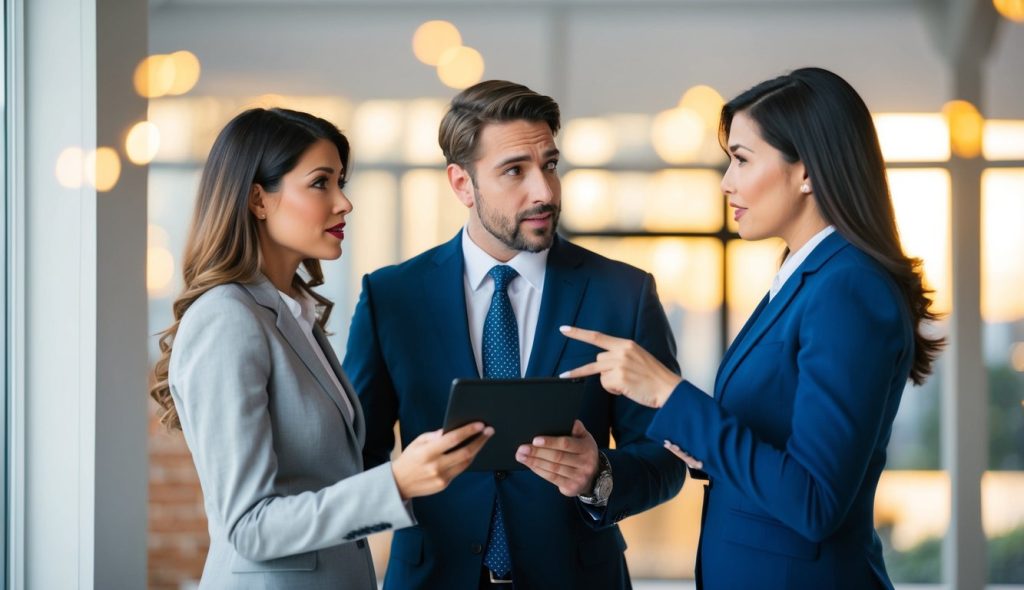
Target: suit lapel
{"type": "Point", "coordinates": [348, 391]}
{"type": "Point", "coordinates": [264, 292]}
{"type": "Point", "coordinates": [444, 298]}
{"type": "Point", "coordinates": [726, 365]}
{"type": "Point", "coordinates": [769, 311]}
{"type": "Point", "coordinates": [564, 285]}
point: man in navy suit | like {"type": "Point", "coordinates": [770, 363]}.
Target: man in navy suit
{"type": "Point", "coordinates": [489, 303]}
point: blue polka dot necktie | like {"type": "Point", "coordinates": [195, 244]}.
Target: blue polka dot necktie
{"type": "Point", "coordinates": [500, 351]}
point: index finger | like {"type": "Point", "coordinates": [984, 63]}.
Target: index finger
{"type": "Point", "coordinates": [594, 337]}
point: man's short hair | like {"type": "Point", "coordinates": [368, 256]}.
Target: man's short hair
{"type": "Point", "coordinates": [491, 101]}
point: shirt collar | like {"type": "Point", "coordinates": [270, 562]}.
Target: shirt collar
{"type": "Point", "coordinates": [303, 309]}
{"type": "Point", "coordinates": [795, 259]}
{"type": "Point", "coordinates": [531, 266]}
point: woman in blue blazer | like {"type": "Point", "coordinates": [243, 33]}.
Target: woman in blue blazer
{"type": "Point", "coordinates": [794, 439]}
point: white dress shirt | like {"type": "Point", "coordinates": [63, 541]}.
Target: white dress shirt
{"type": "Point", "coordinates": [524, 291]}
{"type": "Point", "coordinates": [795, 259]}
{"type": "Point", "coordinates": [305, 314]}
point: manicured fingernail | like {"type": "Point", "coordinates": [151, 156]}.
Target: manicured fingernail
{"type": "Point", "coordinates": [488, 431]}
{"type": "Point", "coordinates": [564, 375]}
{"type": "Point", "coordinates": [564, 329]}
{"type": "Point", "coordinates": [523, 450]}
{"type": "Point", "coordinates": [538, 442]}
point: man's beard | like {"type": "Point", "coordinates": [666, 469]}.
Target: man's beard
{"type": "Point", "coordinates": [509, 231]}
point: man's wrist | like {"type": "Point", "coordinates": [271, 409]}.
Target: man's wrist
{"type": "Point", "coordinates": [602, 487]}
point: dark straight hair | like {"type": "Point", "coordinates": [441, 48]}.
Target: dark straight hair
{"type": "Point", "coordinates": [813, 116]}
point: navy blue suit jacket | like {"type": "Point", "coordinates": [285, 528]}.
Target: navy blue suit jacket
{"type": "Point", "coordinates": [794, 440]}
{"type": "Point", "coordinates": [410, 338]}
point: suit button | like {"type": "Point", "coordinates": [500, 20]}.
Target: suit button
{"type": "Point", "coordinates": [476, 548]}
{"type": "Point", "coordinates": [500, 475]}
{"type": "Point", "coordinates": [361, 543]}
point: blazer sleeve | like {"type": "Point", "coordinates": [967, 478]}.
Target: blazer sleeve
{"type": "Point", "coordinates": [364, 364]}
{"type": "Point", "coordinates": [219, 374]}
{"type": "Point", "coordinates": [644, 474]}
{"type": "Point", "coordinates": [852, 345]}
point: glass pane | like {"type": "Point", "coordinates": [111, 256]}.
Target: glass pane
{"type": "Point", "coordinates": [430, 212]}
{"type": "Point", "coordinates": [921, 199]}
{"type": "Point", "coordinates": [664, 201]}
{"type": "Point", "coordinates": [1003, 140]}
{"type": "Point", "coordinates": [751, 267]}
{"type": "Point", "coordinates": [913, 137]}
{"type": "Point", "coordinates": [1002, 281]}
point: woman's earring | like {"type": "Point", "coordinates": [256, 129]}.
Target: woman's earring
{"type": "Point", "coordinates": [805, 188]}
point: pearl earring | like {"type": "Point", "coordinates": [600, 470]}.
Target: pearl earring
{"type": "Point", "coordinates": [805, 188]}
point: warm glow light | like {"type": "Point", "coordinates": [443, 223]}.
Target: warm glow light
{"type": "Point", "coordinates": [142, 143]}
{"type": "Point", "coordinates": [706, 102]}
{"type": "Point", "coordinates": [677, 264]}
{"type": "Point", "coordinates": [103, 168]}
{"type": "Point", "coordinates": [587, 200]}
{"type": "Point", "coordinates": [159, 270]}
{"type": "Point", "coordinates": [921, 200]}
{"type": "Point", "coordinates": [1002, 273]}
{"type": "Point", "coordinates": [913, 137]}
{"type": "Point", "coordinates": [186, 72]}
{"type": "Point", "coordinates": [419, 145]}
{"type": "Point", "coordinates": [154, 76]}
{"type": "Point", "coordinates": [1011, 9]}
{"type": "Point", "coordinates": [377, 129]}
{"type": "Point", "coordinates": [677, 135]}
{"type": "Point", "coordinates": [966, 127]}
{"type": "Point", "coordinates": [684, 200]}
{"type": "Point", "coordinates": [70, 167]}
{"type": "Point", "coordinates": [588, 142]}
{"type": "Point", "coordinates": [460, 67]}
{"type": "Point", "coordinates": [432, 39]}
{"type": "Point", "coordinates": [751, 268]}
{"type": "Point", "coordinates": [1003, 140]}
{"type": "Point", "coordinates": [1017, 358]}
{"type": "Point", "coordinates": [370, 248]}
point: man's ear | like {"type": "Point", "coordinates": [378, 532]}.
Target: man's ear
{"type": "Point", "coordinates": [256, 203]}
{"type": "Point", "coordinates": [462, 184]}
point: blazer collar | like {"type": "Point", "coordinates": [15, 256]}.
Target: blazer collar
{"type": "Point", "coordinates": [445, 298]}
{"type": "Point", "coordinates": [265, 293]}
{"type": "Point", "coordinates": [769, 311]}
{"type": "Point", "coordinates": [445, 301]}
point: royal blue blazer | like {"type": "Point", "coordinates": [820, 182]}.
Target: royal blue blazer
{"type": "Point", "coordinates": [794, 439]}
{"type": "Point", "coordinates": [410, 338]}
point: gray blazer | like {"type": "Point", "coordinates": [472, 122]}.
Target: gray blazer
{"type": "Point", "coordinates": [279, 460]}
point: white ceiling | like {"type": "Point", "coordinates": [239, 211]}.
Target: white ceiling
{"type": "Point", "coordinates": [595, 57]}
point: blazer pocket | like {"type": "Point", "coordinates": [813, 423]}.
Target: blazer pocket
{"type": "Point", "coordinates": [408, 546]}
{"type": "Point", "coordinates": [301, 562]}
{"type": "Point", "coordinates": [602, 546]}
{"type": "Point", "coordinates": [766, 534]}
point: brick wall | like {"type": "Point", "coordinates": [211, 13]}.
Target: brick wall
{"type": "Point", "coordinates": [177, 539]}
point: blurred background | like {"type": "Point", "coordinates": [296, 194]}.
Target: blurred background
{"type": "Point", "coordinates": [640, 84]}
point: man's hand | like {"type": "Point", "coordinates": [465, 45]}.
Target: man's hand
{"type": "Point", "coordinates": [568, 462]}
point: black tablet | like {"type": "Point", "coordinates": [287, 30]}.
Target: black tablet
{"type": "Point", "coordinates": [518, 409]}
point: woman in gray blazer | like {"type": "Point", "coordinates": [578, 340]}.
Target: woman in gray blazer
{"type": "Point", "coordinates": [246, 372]}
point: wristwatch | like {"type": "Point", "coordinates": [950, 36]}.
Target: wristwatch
{"type": "Point", "coordinates": [602, 484]}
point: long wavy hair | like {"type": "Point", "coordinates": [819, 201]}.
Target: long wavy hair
{"type": "Point", "coordinates": [813, 116]}
{"type": "Point", "coordinates": [258, 147]}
